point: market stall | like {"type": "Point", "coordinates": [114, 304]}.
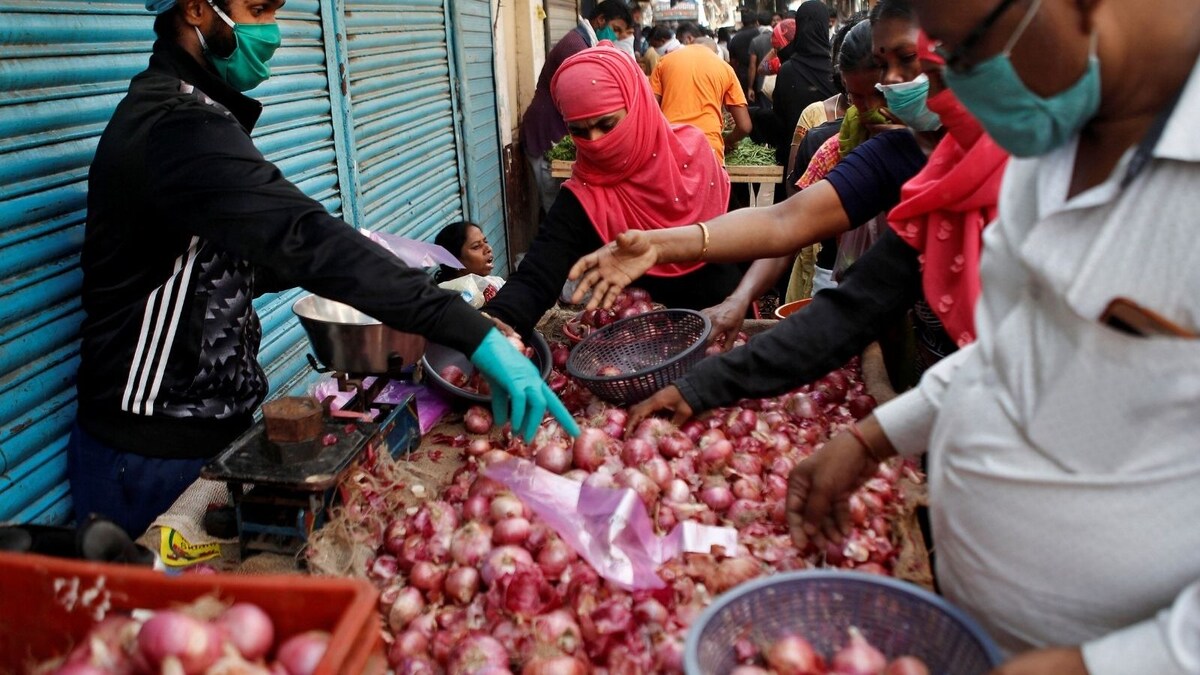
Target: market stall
{"type": "Point", "coordinates": [455, 534]}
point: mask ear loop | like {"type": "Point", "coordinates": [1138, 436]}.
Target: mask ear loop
{"type": "Point", "coordinates": [203, 42]}
{"type": "Point", "coordinates": [232, 24]}
{"type": "Point", "coordinates": [1025, 21]}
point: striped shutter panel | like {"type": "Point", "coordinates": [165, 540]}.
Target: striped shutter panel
{"type": "Point", "coordinates": [477, 96]}
{"type": "Point", "coordinates": [64, 65]}
{"type": "Point", "coordinates": [406, 155]}
{"type": "Point", "coordinates": [562, 16]}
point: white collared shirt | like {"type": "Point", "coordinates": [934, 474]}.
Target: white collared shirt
{"type": "Point", "coordinates": [1064, 456]}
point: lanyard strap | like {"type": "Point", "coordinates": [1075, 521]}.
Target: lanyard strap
{"type": "Point", "coordinates": [1145, 149]}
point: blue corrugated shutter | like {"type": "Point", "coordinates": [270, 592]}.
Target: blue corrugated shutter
{"type": "Point", "coordinates": [64, 65]}
{"type": "Point", "coordinates": [406, 156]}
{"type": "Point", "coordinates": [472, 32]}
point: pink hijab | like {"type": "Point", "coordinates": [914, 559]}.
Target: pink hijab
{"type": "Point", "coordinates": [645, 174]}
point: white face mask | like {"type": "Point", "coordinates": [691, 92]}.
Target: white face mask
{"type": "Point", "coordinates": [626, 45]}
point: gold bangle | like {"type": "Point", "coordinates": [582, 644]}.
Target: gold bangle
{"type": "Point", "coordinates": [858, 434]}
{"type": "Point", "coordinates": [703, 249]}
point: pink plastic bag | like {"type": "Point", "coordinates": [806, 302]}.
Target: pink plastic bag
{"type": "Point", "coordinates": [608, 527]}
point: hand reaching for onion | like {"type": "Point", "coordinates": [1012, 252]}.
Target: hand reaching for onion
{"type": "Point", "coordinates": [726, 319]}
{"type": "Point", "coordinates": [667, 398]}
{"type": "Point", "coordinates": [608, 270]}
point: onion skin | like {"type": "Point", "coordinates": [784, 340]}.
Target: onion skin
{"type": "Point", "coordinates": [555, 665]}
{"type": "Point", "coordinates": [858, 657]}
{"type": "Point", "coordinates": [793, 655]}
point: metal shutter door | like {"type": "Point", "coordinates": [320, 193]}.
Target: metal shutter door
{"type": "Point", "coordinates": [65, 65]}
{"type": "Point", "coordinates": [562, 16]}
{"type": "Point", "coordinates": [481, 140]}
{"type": "Point", "coordinates": [406, 155]}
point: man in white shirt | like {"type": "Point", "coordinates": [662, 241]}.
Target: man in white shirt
{"type": "Point", "coordinates": [1064, 446]}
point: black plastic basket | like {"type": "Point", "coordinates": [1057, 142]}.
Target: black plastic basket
{"type": "Point", "coordinates": [651, 350]}
{"type": "Point", "coordinates": [896, 617]}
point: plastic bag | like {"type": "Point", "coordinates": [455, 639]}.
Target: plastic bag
{"type": "Point", "coordinates": [852, 244]}
{"type": "Point", "coordinates": [413, 252]}
{"type": "Point", "coordinates": [431, 406]}
{"type": "Point", "coordinates": [608, 527]}
{"type": "Point", "coordinates": [476, 290]}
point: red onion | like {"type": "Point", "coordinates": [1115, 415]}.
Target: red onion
{"type": "Point", "coordinates": [494, 457]}
{"type": "Point", "coordinates": [715, 454]}
{"type": "Point", "coordinates": [591, 449]}
{"type": "Point", "coordinates": [477, 420]}
{"type": "Point", "coordinates": [637, 295]}
{"type": "Point", "coordinates": [684, 467]}
{"type": "Point", "coordinates": [454, 375]}
{"type": "Point", "coordinates": [301, 653]}
{"type": "Point", "coordinates": [408, 643]}
{"type": "Point", "coordinates": [506, 506]}
{"type": "Point", "coordinates": [510, 531]}
{"type": "Point", "coordinates": [525, 592]}
{"type": "Point", "coordinates": [408, 605]}
{"type": "Point", "coordinates": [471, 544]}
{"type": "Point", "coordinates": [461, 584]}
{"type": "Point", "coordinates": [776, 486]}
{"type": "Point", "coordinates": [434, 517]}
{"type": "Point", "coordinates": [907, 665]}
{"type": "Point", "coordinates": [793, 654]}
{"type": "Point", "coordinates": [651, 611]}
{"type": "Point", "coordinates": [477, 508]}
{"type": "Point", "coordinates": [861, 406]}
{"type": "Point", "coordinates": [559, 630]}
{"type": "Point", "coordinates": [169, 634]}
{"type": "Point", "coordinates": [577, 475]}
{"type": "Point", "coordinates": [637, 451]}
{"type": "Point", "coordinates": [749, 670]}
{"type": "Point", "coordinates": [693, 429]}
{"type": "Point", "coordinates": [801, 407]}
{"type": "Point", "coordinates": [668, 655]}
{"type": "Point", "coordinates": [383, 568]}
{"type": "Point", "coordinates": [82, 669]}
{"type": "Point", "coordinates": [600, 479]}
{"type": "Point", "coordinates": [554, 558]}
{"type": "Point", "coordinates": [479, 447]}
{"type": "Point", "coordinates": [559, 352]}
{"type": "Point", "coordinates": [475, 653]}
{"type": "Point", "coordinates": [677, 491]}
{"type": "Point", "coordinates": [717, 495]}
{"type": "Point", "coordinates": [743, 512]}
{"type": "Point", "coordinates": [553, 457]}
{"type": "Point", "coordinates": [427, 576]}
{"type": "Point", "coordinates": [675, 444]}
{"type": "Point", "coordinates": [249, 628]}
{"type": "Point", "coordinates": [539, 535]}
{"type": "Point", "coordinates": [858, 657]}
{"type": "Point", "coordinates": [653, 429]}
{"type": "Point", "coordinates": [504, 560]}
{"type": "Point", "coordinates": [745, 464]}
{"type": "Point", "coordinates": [834, 386]}
{"type": "Point", "coordinates": [750, 488]}
{"type": "Point", "coordinates": [659, 471]}
{"type": "Point", "coordinates": [486, 487]}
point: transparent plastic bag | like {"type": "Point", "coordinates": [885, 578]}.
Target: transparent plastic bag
{"type": "Point", "coordinates": [608, 527]}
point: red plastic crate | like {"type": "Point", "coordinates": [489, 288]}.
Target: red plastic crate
{"type": "Point", "coordinates": [37, 620]}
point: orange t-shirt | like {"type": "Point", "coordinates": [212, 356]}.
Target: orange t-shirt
{"type": "Point", "coordinates": [694, 84]}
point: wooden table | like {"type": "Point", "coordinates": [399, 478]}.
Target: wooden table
{"type": "Point", "coordinates": [762, 179]}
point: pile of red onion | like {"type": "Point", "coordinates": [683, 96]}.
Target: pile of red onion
{"type": "Point", "coordinates": [472, 581]}
{"type": "Point", "coordinates": [795, 655]}
{"type": "Point", "coordinates": [192, 640]}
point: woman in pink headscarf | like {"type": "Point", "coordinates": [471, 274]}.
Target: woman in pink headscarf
{"type": "Point", "coordinates": [633, 171]}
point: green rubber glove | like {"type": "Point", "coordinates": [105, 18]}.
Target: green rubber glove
{"type": "Point", "coordinates": [517, 385]}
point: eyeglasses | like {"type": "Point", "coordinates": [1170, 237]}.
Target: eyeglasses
{"type": "Point", "coordinates": [954, 57]}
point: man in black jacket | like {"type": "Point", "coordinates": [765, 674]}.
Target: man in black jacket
{"type": "Point", "coordinates": [187, 222]}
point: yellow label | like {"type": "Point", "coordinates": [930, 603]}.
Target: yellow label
{"type": "Point", "coordinates": [176, 551]}
{"type": "Point", "coordinates": [541, 13]}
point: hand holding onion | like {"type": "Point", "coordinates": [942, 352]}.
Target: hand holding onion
{"type": "Point", "coordinates": [819, 490]}
{"type": "Point", "coordinates": [608, 270]}
{"type": "Point", "coordinates": [726, 319]}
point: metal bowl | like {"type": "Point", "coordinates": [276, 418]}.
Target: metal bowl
{"type": "Point", "coordinates": [437, 357]}
{"type": "Point", "coordinates": [345, 339]}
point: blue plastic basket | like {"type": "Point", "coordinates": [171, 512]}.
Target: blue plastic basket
{"type": "Point", "coordinates": [896, 617]}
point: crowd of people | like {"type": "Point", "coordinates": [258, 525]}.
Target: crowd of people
{"type": "Point", "coordinates": [1012, 176]}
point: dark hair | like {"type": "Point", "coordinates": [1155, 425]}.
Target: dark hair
{"type": "Point", "coordinates": [749, 18]}
{"type": "Point", "coordinates": [723, 34]}
{"type": "Point", "coordinates": [776, 14]}
{"type": "Point", "coordinates": [167, 25]}
{"type": "Point", "coordinates": [660, 33]}
{"type": "Point", "coordinates": [893, 9]}
{"type": "Point", "coordinates": [454, 236]}
{"type": "Point", "coordinates": [836, 48]}
{"type": "Point", "coordinates": [613, 9]}
{"type": "Point", "coordinates": [855, 53]}
{"type": "Point", "coordinates": [687, 28]}
{"type": "Point", "coordinates": [764, 18]}
{"type": "Point", "coordinates": [833, 13]}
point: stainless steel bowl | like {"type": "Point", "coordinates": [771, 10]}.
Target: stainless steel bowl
{"type": "Point", "coordinates": [437, 357]}
{"type": "Point", "coordinates": [345, 339]}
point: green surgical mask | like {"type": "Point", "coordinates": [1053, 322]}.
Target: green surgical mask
{"type": "Point", "coordinates": [255, 44]}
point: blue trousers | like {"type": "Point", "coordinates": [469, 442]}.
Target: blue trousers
{"type": "Point", "coordinates": [131, 490]}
